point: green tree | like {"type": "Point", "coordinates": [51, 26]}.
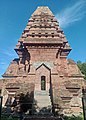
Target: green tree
{"type": "Point", "coordinates": [82, 67]}
{"type": "Point", "coordinates": [80, 117]}
{"type": "Point", "coordinates": [26, 101]}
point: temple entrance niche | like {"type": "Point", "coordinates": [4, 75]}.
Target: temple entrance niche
{"type": "Point", "coordinates": [42, 81]}
{"type": "Point", "coordinates": [42, 89]}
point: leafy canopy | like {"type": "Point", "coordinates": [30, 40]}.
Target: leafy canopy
{"type": "Point", "coordinates": [82, 67]}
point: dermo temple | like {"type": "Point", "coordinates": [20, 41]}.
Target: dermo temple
{"type": "Point", "coordinates": [42, 70]}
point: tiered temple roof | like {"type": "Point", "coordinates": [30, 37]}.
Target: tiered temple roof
{"type": "Point", "coordinates": [43, 28]}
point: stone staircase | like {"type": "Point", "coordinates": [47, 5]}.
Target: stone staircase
{"type": "Point", "coordinates": [43, 102]}
{"type": "Point", "coordinates": [44, 118]}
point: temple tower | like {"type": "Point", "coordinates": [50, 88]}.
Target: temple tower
{"type": "Point", "coordinates": [43, 50]}
{"type": "Point", "coordinates": [41, 45]}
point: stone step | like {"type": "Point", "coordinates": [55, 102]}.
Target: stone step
{"type": "Point", "coordinates": [44, 101]}
{"type": "Point", "coordinates": [43, 105]}
{"type": "Point", "coordinates": [42, 97]}
{"type": "Point", "coordinates": [44, 118]}
{"type": "Point", "coordinates": [41, 93]}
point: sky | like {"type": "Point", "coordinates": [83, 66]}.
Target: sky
{"type": "Point", "coordinates": [14, 15]}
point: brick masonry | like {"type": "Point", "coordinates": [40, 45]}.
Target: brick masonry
{"type": "Point", "coordinates": [43, 50]}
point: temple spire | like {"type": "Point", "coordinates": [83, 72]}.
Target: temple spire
{"type": "Point", "coordinates": [43, 28]}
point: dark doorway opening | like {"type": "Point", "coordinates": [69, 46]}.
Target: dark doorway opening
{"type": "Point", "coordinates": [43, 83]}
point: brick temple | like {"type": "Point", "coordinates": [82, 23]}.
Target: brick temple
{"type": "Point", "coordinates": [43, 69]}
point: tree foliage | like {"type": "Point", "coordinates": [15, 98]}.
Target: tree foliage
{"type": "Point", "coordinates": [80, 117]}
{"type": "Point", "coordinates": [82, 67]}
{"type": "Point", "coordinates": [25, 101]}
